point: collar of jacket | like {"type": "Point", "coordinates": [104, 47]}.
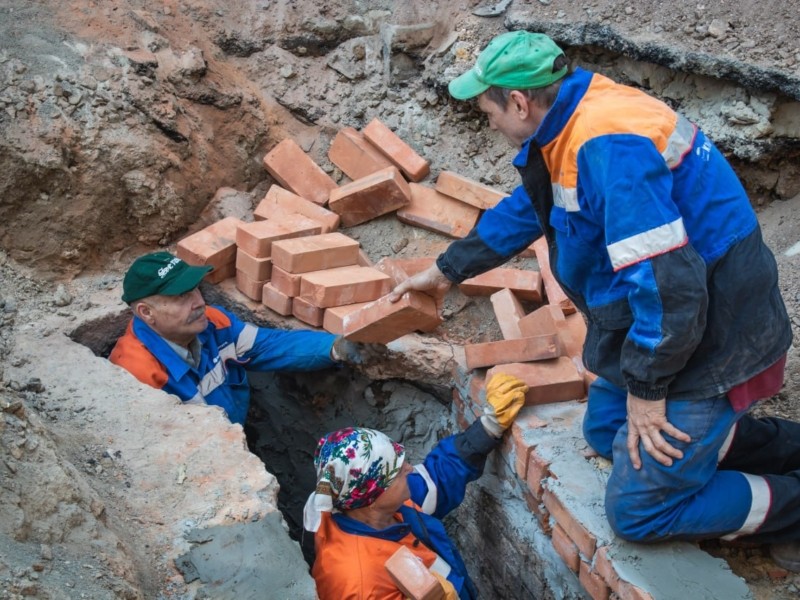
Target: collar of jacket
{"type": "Point", "coordinates": [569, 96]}
{"type": "Point", "coordinates": [393, 533]}
{"type": "Point", "coordinates": [159, 348]}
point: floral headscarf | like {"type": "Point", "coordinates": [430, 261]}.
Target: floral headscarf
{"type": "Point", "coordinates": [354, 466]}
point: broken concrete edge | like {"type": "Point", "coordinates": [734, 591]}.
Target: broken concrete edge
{"type": "Point", "coordinates": [574, 487]}
{"type": "Point", "coordinates": [603, 36]}
{"type": "Point", "coordinates": [189, 466]}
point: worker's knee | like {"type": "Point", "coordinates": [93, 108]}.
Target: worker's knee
{"type": "Point", "coordinates": [634, 523]}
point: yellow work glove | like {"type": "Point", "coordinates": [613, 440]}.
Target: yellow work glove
{"type": "Point", "coordinates": [505, 395]}
{"type": "Point", "coordinates": [449, 590]}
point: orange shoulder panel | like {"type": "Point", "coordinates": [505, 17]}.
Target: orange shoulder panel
{"type": "Point", "coordinates": [217, 317]}
{"type": "Point", "coordinates": [130, 354]}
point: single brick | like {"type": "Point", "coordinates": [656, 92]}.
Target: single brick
{"type": "Point", "coordinates": [403, 156]}
{"type": "Point", "coordinates": [412, 577]}
{"type": "Point", "coordinates": [333, 320]}
{"type": "Point", "coordinates": [287, 284]}
{"type": "Point", "coordinates": [400, 269]}
{"type": "Point", "coordinates": [555, 295]}
{"type": "Point", "coordinates": [313, 253]}
{"type": "Point", "coordinates": [370, 197]}
{"type": "Point", "coordinates": [508, 311]}
{"type": "Point", "coordinates": [276, 300]}
{"type": "Point", "coordinates": [554, 380]}
{"type": "Point", "coordinates": [256, 238]}
{"type": "Point", "coordinates": [593, 583]}
{"type": "Point", "coordinates": [542, 321]}
{"type": "Point", "coordinates": [355, 155]}
{"type": "Point", "coordinates": [522, 453]}
{"type": "Point", "coordinates": [572, 333]}
{"type": "Point", "coordinates": [538, 470]}
{"type": "Point", "coordinates": [252, 288]}
{"type": "Point", "coordinates": [628, 591]}
{"type": "Point", "coordinates": [467, 190]}
{"type": "Point", "coordinates": [566, 548]}
{"type": "Point", "coordinates": [295, 171]}
{"type": "Point", "coordinates": [383, 321]}
{"type": "Point", "coordinates": [344, 286]}
{"type": "Point", "coordinates": [363, 259]}
{"type": "Point", "coordinates": [307, 312]}
{"type": "Point", "coordinates": [540, 347]}
{"type": "Point", "coordinates": [527, 285]}
{"type": "Point", "coordinates": [605, 568]}
{"type": "Point", "coordinates": [433, 211]}
{"type": "Point", "coordinates": [214, 245]}
{"type": "Point", "coordinates": [279, 201]}
{"type": "Point", "coordinates": [259, 269]}
{"type": "Point", "coordinates": [586, 542]}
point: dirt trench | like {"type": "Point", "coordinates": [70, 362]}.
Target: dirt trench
{"type": "Point", "coordinates": [121, 123]}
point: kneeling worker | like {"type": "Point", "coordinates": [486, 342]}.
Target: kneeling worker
{"type": "Point", "coordinates": [200, 353]}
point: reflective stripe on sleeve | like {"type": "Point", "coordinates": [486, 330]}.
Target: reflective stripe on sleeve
{"type": "Point", "coordinates": [759, 506]}
{"type": "Point", "coordinates": [429, 504]}
{"type": "Point", "coordinates": [566, 198]}
{"type": "Point", "coordinates": [196, 399]}
{"type": "Point", "coordinates": [247, 338]}
{"type": "Point", "coordinates": [726, 445]}
{"type": "Point", "coordinates": [647, 244]}
{"type": "Point", "coordinates": [679, 143]}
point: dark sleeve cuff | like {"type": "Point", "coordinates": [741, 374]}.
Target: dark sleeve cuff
{"type": "Point", "coordinates": [647, 391]}
{"type": "Point", "coordinates": [474, 444]}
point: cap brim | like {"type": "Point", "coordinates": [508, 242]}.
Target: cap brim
{"type": "Point", "coordinates": [467, 86]}
{"type": "Point", "coordinates": [189, 279]}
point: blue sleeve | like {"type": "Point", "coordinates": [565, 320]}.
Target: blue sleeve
{"type": "Point", "coordinates": [502, 232]}
{"type": "Point", "coordinates": [265, 349]}
{"type": "Point", "coordinates": [628, 184]}
{"type": "Point", "coordinates": [439, 484]}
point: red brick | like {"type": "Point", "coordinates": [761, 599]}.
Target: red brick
{"type": "Point", "coordinates": [287, 284]}
{"type": "Point", "coordinates": [555, 295]}
{"type": "Point", "coordinates": [313, 253]}
{"type": "Point", "coordinates": [412, 577]}
{"type": "Point", "coordinates": [539, 510]}
{"type": "Point", "coordinates": [433, 211]}
{"type": "Point", "coordinates": [336, 287]}
{"type": "Point", "coordinates": [527, 285]}
{"type": "Point", "coordinates": [604, 567]}
{"type": "Point", "coordinates": [538, 470]}
{"type": "Point", "coordinates": [256, 238]}
{"type": "Point", "coordinates": [279, 201]}
{"type": "Point", "coordinates": [542, 321]}
{"type": "Point", "coordinates": [363, 259]}
{"type": "Point", "coordinates": [593, 583]}
{"type": "Point", "coordinates": [572, 333]}
{"type": "Point", "coordinates": [467, 190]}
{"type": "Point", "coordinates": [522, 451]}
{"type": "Point", "coordinates": [383, 321]}
{"type": "Point", "coordinates": [540, 347]}
{"type": "Point", "coordinates": [355, 155]}
{"type": "Point", "coordinates": [296, 171]}
{"type": "Point", "coordinates": [400, 269]}
{"type": "Point", "coordinates": [586, 542]}
{"type": "Point", "coordinates": [628, 591]}
{"type": "Point", "coordinates": [307, 312]}
{"type": "Point", "coordinates": [333, 320]}
{"type": "Point", "coordinates": [508, 311]}
{"type": "Point", "coordinates": [566, 548]}
{"type": "Point", "coordinates": [258, 269]}
{"type": "Point", "coordinates": [403, 156]}
{"type": "Point", "coordinates": [370, 197]}
{"type": "Point", "coordinates": [252, 288]}
{"type": "Point", "coordinates": [214, 245]}
{"type": "Point", "coordinates": [554, 380]}
{"type": "Point", "coordinates": [276, 300]}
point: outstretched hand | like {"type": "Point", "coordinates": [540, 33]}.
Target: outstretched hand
{"type": "Point", "coordinates": [646, 420]}
{"type": "Point", "coordinates": [431, 280]}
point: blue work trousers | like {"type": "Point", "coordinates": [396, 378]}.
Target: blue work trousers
{"type": "Point", "coordinates": [739, 476]}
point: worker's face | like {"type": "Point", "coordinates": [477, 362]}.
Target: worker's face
{"type": "Point", "coordinates": [176, 318]}
{"type": "Point", "coordinates": [397, 492]}
{"type": "Point", "coordinates": [517, 120]}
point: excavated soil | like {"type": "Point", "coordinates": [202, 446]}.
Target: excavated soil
{"type": "Point", "coordinates": [121, 122]}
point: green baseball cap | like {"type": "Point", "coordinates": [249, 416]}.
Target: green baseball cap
{"type": "Point", "coordinates": [160, 273]}
{"type": "Point", "coordinates": [518, 60]}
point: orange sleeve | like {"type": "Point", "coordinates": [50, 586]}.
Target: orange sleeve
{"type": "Point", "coordinates": [130, 354]}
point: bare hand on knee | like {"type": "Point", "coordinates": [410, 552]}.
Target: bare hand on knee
{"type": "Point", "coordinates": [646, 420]}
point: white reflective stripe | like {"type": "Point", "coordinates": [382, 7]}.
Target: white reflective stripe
{"type": "Point", "coordinates": [213, 379]}
{"type": "Point", "coordinates": [196, 399]}
{"type": "Point", "coordinates": [441, 567]}
{"type": "Point", "coordinates": [679, 143]}
{"type": "Point", "coordinates": [246, 339]}
{"type": "Point", "coordinates": [759, 506]}
{"type": "Point", "coordinates": [647, 244]}
{"type": "Point", "coordinates": [726, 445]}
{"type": "Point", "coordinates": [566, 198]}
{"type": "Point", "coordinates": [429, 504]}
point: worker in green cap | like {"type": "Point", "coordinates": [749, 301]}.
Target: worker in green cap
{"type": "Point", "coordinates": [653, 238]}
{"type": "Point", "coordinates": [200, 353]}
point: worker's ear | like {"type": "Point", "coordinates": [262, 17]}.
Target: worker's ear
{"type": "Point", "coordinates": [518, 103]}
{"type": "Point", "coordinates": [144, 311]}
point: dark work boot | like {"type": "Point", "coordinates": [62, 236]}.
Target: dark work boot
{"type": "Point", "coordinates": [786, 555]}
